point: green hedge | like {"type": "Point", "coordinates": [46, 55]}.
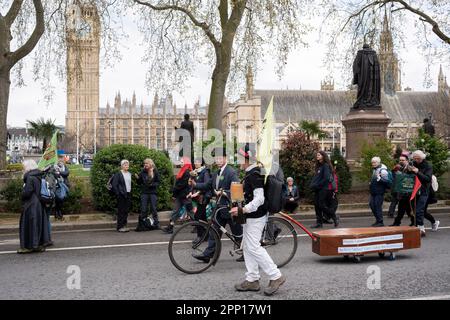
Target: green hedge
{"type": "Point", "coordinates": [12, 193]}
{"type": "Point", "coordinates": [107, 162]}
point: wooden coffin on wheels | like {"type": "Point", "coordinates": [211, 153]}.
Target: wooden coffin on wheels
{"type": "Point", "coordinates": [361, 241]}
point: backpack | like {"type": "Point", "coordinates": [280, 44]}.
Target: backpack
{"type": "Point", "coordinates": [434, 183]}
{"type": "Point", "coordinates": [273, 191]}
{"type": "Point", "coordinates": [332, 185]}
{"type": "Point", "coordinates": [48, 188]}
{"type": "Point", "coordinates": [62, 191]}
{"type": "Point", "coordinates": [390, 178]}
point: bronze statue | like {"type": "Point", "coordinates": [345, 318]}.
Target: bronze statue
{"type": "Point", "coordinates": [428, 127]}
{"type": "Point", "coordinates": [366, 74]}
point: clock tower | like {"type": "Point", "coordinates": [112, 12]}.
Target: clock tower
{"type": "Point", "coordinates": [83, 74]}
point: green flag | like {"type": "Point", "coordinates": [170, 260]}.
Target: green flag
{"type": "Point", "coordinates": [50, 155]}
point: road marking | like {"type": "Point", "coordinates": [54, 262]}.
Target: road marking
{"type": "Point", "coordinates": [133, 245]}
{"type": "Point", "coordinates": [119, 246]}
{"type": "Point", "coordinates": [431, 298]}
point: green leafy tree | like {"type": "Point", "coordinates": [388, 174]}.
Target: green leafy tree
{"type": "Point", "coordinates": [382, 148]}
{"type": "Point", "coordinates": [312, 129]}
{"type": "Point", "coordinates": [42, 129]}
{"type": "Point", "coordinates": [297, 159]}
{"type": "Point", "coordinates": [342, 171]}
{"type": "Point", "coordinates": [436, 151]}
{"type": "Point", "coordinates": [107, 162]}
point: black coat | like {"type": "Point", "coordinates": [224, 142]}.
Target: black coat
{"type": "Point", "coordinates": [181, 188]}
{"type": "Point", "coordinates": [293, 194]}
{"type": "Point", "coordinates": [229, 175]}
{"type": "Point", "coordinates": [189, 126]}
{"type": "Point", "coordinates": [425, 174]}
{"type": "Point", "coordinates": [321, 179]}
{"type": "Point", "coordinates": [33, 217]}
{"type": "Point", "coordinates": [204, 178]}
{"type": "Point", "coordinates": [119, 187]}
{"type": "Point", "coordinates": [148, 186]}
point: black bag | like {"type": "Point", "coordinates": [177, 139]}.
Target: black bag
{"type": "Point", "coordinates": [273, 192]}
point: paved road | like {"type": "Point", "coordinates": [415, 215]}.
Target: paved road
{"type": "Point", "coordinates": [136, 266]}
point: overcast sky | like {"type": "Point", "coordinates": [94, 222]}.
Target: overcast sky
{"type": "Point", "coordinates": [304, 70]}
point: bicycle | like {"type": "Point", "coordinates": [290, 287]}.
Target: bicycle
{"type": "Point", "coordinates": [279, 238]}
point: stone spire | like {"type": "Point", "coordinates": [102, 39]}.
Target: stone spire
{"type": "Point", "coordinates": [442, 81]}
{"type": "Point", "coordinates": [327, 84]}
{"type": "Point", "coordinates": [142, 108]}
{"type": "Point", "coordinates": [155, 103]}
{"type": "Point", "coordinates": [390, 70]}
{"type": "Point", "coordinates": [134, 100]}
{"type": "Point", "coordinates": [108, 108]}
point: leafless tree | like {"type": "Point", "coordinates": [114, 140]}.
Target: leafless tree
{"type": "Point", "coordinates": [39, 27]}
{"type": "Point", "coordinates": [229, 35]}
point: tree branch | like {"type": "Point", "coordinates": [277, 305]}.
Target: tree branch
{"type": "Point", "coordinates": [195, 21]}
{"type": "Point", "coordinates": [223, 10]}
{"type": "Point", "coordinates": [13, 12]}
{"type": "Point", "coordinates": [39, 29]}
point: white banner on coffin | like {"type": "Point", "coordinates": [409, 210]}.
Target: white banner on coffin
{"type": "Point", "coordinates": [349, 242]}
{"type": "Point", "coordinates": [376, 247]}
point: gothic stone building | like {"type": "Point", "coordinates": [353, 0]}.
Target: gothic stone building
{"type": "Point", "coordinates": [91, 127]}
{"type": "Point", "coordinates": [406, 109]}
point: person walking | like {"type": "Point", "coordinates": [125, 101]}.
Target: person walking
{"type": "Point", "coordinates": [121, 186]}
{"type": "Point", "coordinates": [320, 186]}
{"type": "Point", "coordinates": [148, 180]}
{"type": "Point", "coordinates": [431, 200]}
{"type": "Point", "coordinates": [404, 203]}
{"type": "Point", "coordinates": [394, 195]}
{"type": "Point", "coordinates": [291, 196]}
{"type": "Point", "coordinates": [221, 181]}
{"type": "Point", "coordinates": [256, 215]}
{"type": "Point", "coordinates": [378, 185]}
{"type": "Point", "coordinates": [32, 218]}
{"type": "Point", "coordinates": [424, 172]}
{"type": "Point", "coordinates": [201, 175]}
{"type": "Point", "coordinates": [180, 192]}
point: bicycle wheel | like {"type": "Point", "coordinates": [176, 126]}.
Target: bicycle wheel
{"type": "Point", "coordinates": [280, 240]}
{"type": "Point", "coordinates": [183, 245]}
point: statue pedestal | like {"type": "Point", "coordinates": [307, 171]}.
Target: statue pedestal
{"type": "Point", "coordinates": [363, 125]}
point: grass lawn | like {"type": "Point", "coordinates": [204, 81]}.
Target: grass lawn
{"type": "Point", "coordinates": [77, 171]}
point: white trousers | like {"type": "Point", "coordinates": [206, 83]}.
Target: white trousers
{"type": "Point", "coordinates": [255, 255]}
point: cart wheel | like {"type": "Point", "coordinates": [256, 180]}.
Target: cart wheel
{"type": "Point", "coordinates": [346, 258]}
{"type": "Point", "coordinates": [392, 256]}
{"type": "Point", "coordinates": [381, 254]}
{"type": "Point", "coordinates": [357, 259]}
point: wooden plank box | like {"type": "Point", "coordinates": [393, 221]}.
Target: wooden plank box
{"type": "Point", "coordinates": [360, 241]}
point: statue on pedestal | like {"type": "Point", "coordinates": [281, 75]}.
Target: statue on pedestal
{"type": "Point", "coordinates": [366, 74]}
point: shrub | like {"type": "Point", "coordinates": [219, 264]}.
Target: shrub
{"type": "Point", "coordinates": [297, 159]}
{"type": "Point", "coordinates": [12, 193]}
{"type": "Point", "coordinates": [342, 171]}
{"type": "Point", "coordinates": [72, 205]}
{"type": "Point", "coordinates": [14, 167]}
{"type": "Point", "coordinates": [381, 148]}
{"type": "Point", "coordinates": [107, 162]}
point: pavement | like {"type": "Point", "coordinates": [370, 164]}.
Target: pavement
{"type": "Point", "coordinates": [136, 266]}
{"type": "Point", "coordinates": [9, 223]}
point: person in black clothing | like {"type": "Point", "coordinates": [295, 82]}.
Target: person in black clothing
{"type": "Point", "coordinates": [61, 171]}
{"type": "Point", "coordinates": [221, 180]}
{"type": "Point", "coordinates": [423, 171]}
{"type": "Point", "coordinates": [201, 175]}
{"type": "Point", "coordinates": [148, 179]}
{"type": "Point", "coordinates": [320, 186]}
{"type": "Point", "coordinates": [121, 187]}
{"type": "Point", "coordinates": [291, 196]}
{"type": "Point", "coordinates": [32, 221]}
{"type": "Point", "coordinates": [180, 192]}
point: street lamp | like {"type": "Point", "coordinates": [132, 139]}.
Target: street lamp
{"type": "Point", "coordinates": [109, 127]}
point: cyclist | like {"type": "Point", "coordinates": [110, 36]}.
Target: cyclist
{"type": "Point", "coordinates": [221, 180]}
{"type": "Point", "coordinates": [256, 215]}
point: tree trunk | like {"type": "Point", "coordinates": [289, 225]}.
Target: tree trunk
{"type": "Point", "coordinates": [217, 96]}
{"type": "Point", "coordinates": [5, 85]}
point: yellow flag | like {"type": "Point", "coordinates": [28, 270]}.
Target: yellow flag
{"type": "Point", "coordinates": [266, 140]}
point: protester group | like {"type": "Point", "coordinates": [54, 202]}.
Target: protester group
{"type": "Point", "coordinates": [195, 185]}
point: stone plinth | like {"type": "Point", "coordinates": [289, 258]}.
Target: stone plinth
{"type": "Point", "coordinates": [363, 125]}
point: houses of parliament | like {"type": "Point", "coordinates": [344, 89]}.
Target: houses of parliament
{"type": "Point", "coordinates": [153, 124]}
